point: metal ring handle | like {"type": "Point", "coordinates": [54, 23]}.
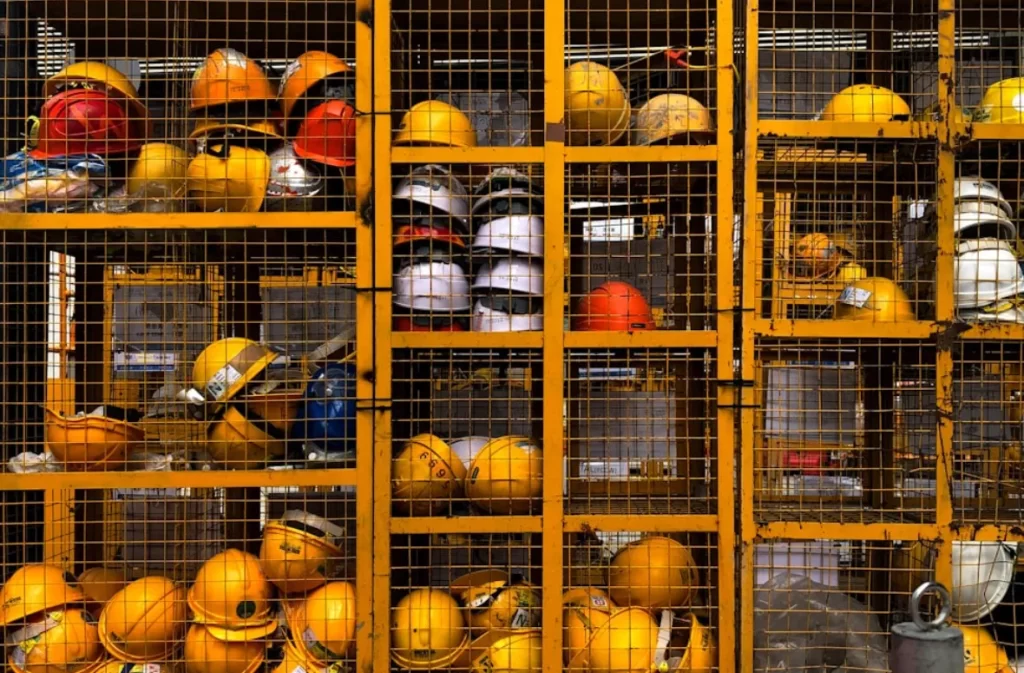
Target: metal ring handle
{"type": "Point", "coordinates": [915, 606]}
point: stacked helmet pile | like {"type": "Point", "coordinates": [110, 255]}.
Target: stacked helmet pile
{"type": "Point", "coordinates": [242, 162]}
{"type": "Point", "coordinates": [988, 280]}
{"type": "Point", "coordinates": [634, 626]}
{"type": "Point", "coordinates": [499, 476]}
{"type": "Point", "coordinates": [598, 112]}
{"type": "Point", "coordinates": [431, 219]}
{"type": "Point", "coordinates": [245, 429]}
{"type": "Point", "coordinates": [487, 621]}
{"type": "Point", "coordinates": [818, 258]}
{"type": "Point", "coordinates": [90, 108]}
{"type": "Point", "coordinates": [509, 233]}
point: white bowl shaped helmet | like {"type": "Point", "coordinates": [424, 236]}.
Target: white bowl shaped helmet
{"type": "Point", "coordinates": [523, 234]}
{"type": "Point", "coordinates": [986, 271]}
{"type": "Point", "coordinates": [293, 182]}
{"type": "Point", "coordinates": [432, 286]}
{"type": "Point", "coordinates": [467, 447]}
{"type": "Point", "coordinates": [495, 313]}
{"type": "Point", "coordinates": [974, 189]}
{"type": "Point", "coordinates": [979, 219]}
{"type": "Point", "coordinates": [434, 187]}
{"type": "Point", "coordinates": [1010, 312]}
{"type": "Point", "coordinates": [505, 202]}
{"type": "Point", "coordinates": [506, 177]}
{"type": "Point", "coordinates": [511, 275]}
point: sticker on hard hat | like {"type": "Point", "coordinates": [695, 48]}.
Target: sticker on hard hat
{"type": "Point", "coordinates": [855, 296]}
{"type": "Point", "coordinates": [246, 609]}
{"type": "Point", "coordinates": [233, 57]}
{"type": "Point", "coordinates": [221, 381]}
{"type": "Point", "coordinates": [1018, 102]}
{"type": "Point", "coordinates": [522, 619]}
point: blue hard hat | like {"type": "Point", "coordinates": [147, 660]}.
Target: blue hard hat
{"type": "Point", "coordinates": [328, 415]}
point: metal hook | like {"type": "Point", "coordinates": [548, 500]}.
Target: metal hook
{"type": "Point", "coordinates": [915, 606]}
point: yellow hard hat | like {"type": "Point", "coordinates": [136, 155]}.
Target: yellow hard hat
{"type": "Point", "coordinates": [64, 641]}
{"type": "Point", "coordinates": [425, 474]}
{"type": "Point", "coordinates": [874, 299]}
{"type": "Point", "coordinates": [851, 272]}
{"type": "Point", "coordinates": [503, 651]}
{"type": "Point", "coordinates": [300, 551]}
{"type": "Point", "coordinates": [143, 621]}
{"type": "Point", "coordinates": [701, 655]}
{"type": "Point", "coordinates": [818, 255]}
{"type": "Point", "coordinates": [654, 573]}
{"type": "Point", "coordinates": [584, 611]}
{"type": "Point", "coordinates": [596, 105]}
{"type": "Point", "coordinates": [91, 443]}
{"type": "Point", "coordinates": [36, 587]}
{"type": "Point", "coordinates": [434, 122]}
{"type": "Point", "coordinates": [226, 366]}
{"type": "Point", "coordinates": [99, 583]}
{"type": "Point", "coordinates": [428, 631]}
{"type": "Point", "coordinates": [865, 103]}
{"type": "Point", "coordinates": [247, 433]}
{"type": "Point", "coordinates": [231, 596]}
{"type": "Point", "coordinates": [304, 73]}
{"type": "Point", "coordinates": [216, 128]}
{"type": "Point", "coordinates": [625, 640]}
{"type": "Point", "coordinates": [672, 115]}
{"type": "Point", "coordinates": [982, 654]}
{"type": "Point", "coordinates": [160, 163]}
{"type": "Point", "coordinates": [496, 602]}
{"type": "Point", "coordinates": [505, 477]}
{"type": "Point", "coordinates": [228, 178]}
{"type": "Point", "coordinates": [229, 76]}
{"type": "Point", "coordinates": [206, 654]}
{"type": "Point", "coordinates": [323, 626]}
{"type": "Point", "coordinates": [1003, 103]}
{"type": "Point", "coordinates": [95, 73]}
{"type": "Point", "coordinates": [294, 661]}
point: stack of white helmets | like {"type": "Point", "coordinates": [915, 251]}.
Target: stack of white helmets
{"type": "Point", "coordinates": [508, 288]}
{"type": "Point", "coordinates": [989, 281]}
{"type": "Point", "coordinates": [430, 210]}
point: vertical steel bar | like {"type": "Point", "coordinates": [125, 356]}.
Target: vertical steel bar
{"type": "Point", "coordinates": [944, 310]}
{"type": "Point", "coordinates": [727, 395]}
{"type": "Point", "coordinates": [554, 299]}
{"type": "Point", "coordinates": [365, 346]}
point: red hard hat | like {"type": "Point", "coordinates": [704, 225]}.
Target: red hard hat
{"type": "Point", "coordinates": [426, 323]}
{"type": "Point", "coordinates": [328, 134]}
{"type": "Point", "coordinates": [410, 233]}
{"type": "Point", "coordinates": [83, 121]}
{"type": "Point", "coordinates": [615, 306]}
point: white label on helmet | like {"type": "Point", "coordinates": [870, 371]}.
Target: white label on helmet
{"type": "Point", "coordinates": [521, 619]}
{"type": "Point", "coordinates": [152, 668]}
{"type": "Point", "coordinates": [292, 68]}
{"type": "Point", "coordinates": [218, 385]}
{"type": "Point", "coordinates": [526, 447]}
{"type": "Point", "coordinates": [233, 57]}
{"type": "Point", "coordinates": [1018, 102]}
{"type": "Point", "coordinates": [298, 669]}
{"type": "Point", "coordinates": [479, 600]}
{"type": "Point", "coordinates": [598, 601]}
{"type": "Point", "coordinates": [855, 296]}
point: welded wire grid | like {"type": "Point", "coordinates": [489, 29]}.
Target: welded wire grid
{"type": "Point", "coordinates": [641, 432]}
{"type": "Point", "coordinates": [131, 107]}
{"type": "Point", "coordinates": [836, 212]}
{"type": "Point", "coordinates": [673, 618]}
{"type": "Point", "coordinates": [810, 57]}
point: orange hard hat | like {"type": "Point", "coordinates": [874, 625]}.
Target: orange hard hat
{"type": "Point", "coordinates": [229, 76]}
{"type": "Point", "coordinates": [304, 73]}
{"type": "Point", "coordinates": [328, 134]}
{"type": "Point", "coordinates": [614, 305]}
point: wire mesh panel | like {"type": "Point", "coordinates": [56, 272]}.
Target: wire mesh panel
{"type": "Point", "coordinates": [641, 432]}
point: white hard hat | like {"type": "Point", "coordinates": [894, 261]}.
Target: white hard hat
{"type": "Point", "coordinates": [506, 177]}
{"type": "Point", "coordinates": [511, 275]}
{"type": "Point", "coordinates": [986, 271]}
{"type": "Point", "coordinates": [490, 315]}
{"type": "Point", "coordinates": [998, 312]}
{"type": "Point", "coordinates": [516, 233]}
{"type": "Point", "coordinates": [982, 219]}
{"type": "Point", "coordinates": [292, 181]}
{"type": "Point", "coordinates": [467, 447]}
{"type": "Point", "coordinates": [975, 189]}
{"type": "Point", "coordinates": [982, 574]}
{"type": "Point", "coordinates": [432, 286]}
{"type": "Point", "coordinates": [436, 188]}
